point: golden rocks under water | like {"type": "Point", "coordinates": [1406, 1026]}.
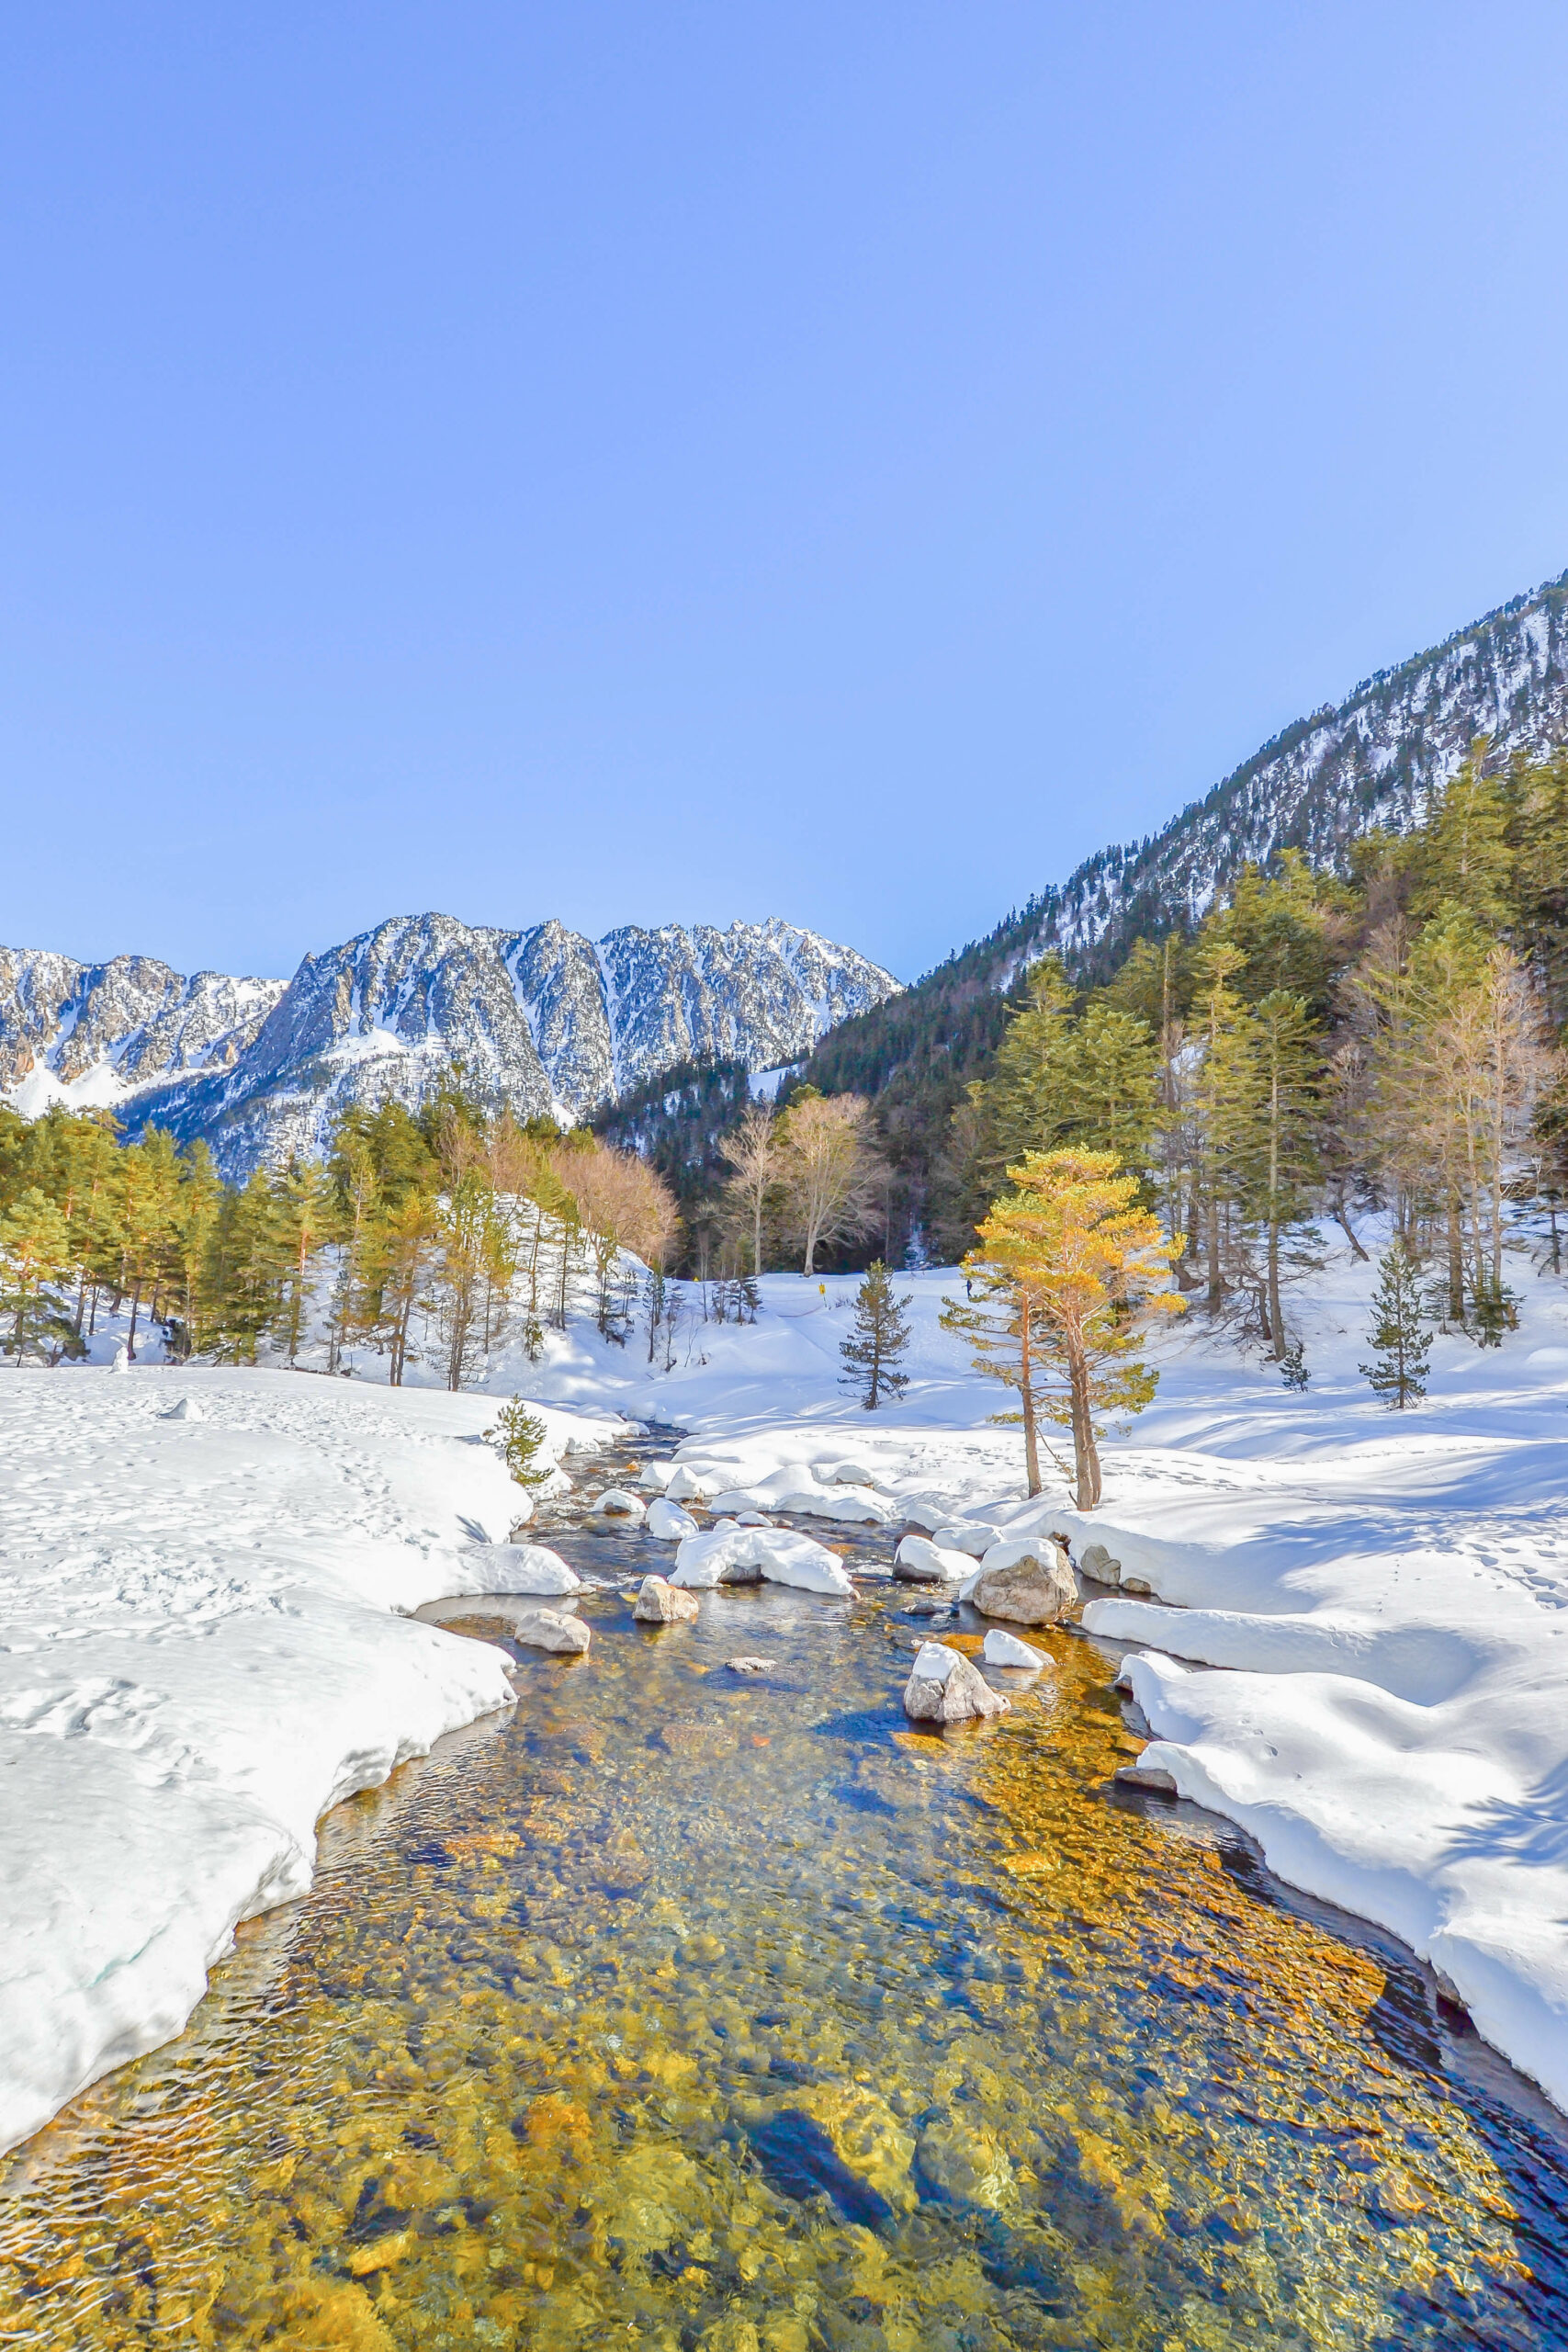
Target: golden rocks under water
{"type": "Point", "coordinates": [681, 2011]}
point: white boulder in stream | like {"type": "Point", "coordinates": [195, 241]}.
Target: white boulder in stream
{"type": "Point", "coordinates": [1006, 1649]}
{"type": "Point", "coordinates": [667, 1523]}
{"type": "Point", "coordinates": [658, 1603]}
{"type": "Point", "coordinates": [945, 1688]}
{"type": "Point", "coordinates": [920, 1561]}
{"type": "Point", "coordinates": [730, 1554]}
{"type": "Point", "coordinates": [616, 1503]}
{"type": "Point", "coordinates": [549, 1629]}
{"type": "Point", "coordinates": [525, 1567]}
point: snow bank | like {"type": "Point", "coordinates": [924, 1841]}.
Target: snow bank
{"type": "Point", "coordinates": [199, 1655]}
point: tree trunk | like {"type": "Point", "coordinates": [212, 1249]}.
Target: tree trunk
{"type": "Point", "coordinates": [1456, 1260]}
{"type": "Point", "coordinates": [1276, 1316]}
{"type": "Point", "coordinates": [1026, 1392]}
{"type": "Point", "coordinates": [1086, 1454]}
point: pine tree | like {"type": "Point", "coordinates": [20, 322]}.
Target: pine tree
{"type": "Point", "coordinates": [35, 1263]}
{"type": "Point", "coordinates": [1398, 1374]}
{"type": "Point", "coordinates": [880, 1338]}
{"type": "Point", "coordinates": [519, 1434]}
{"type": "Point", "coordinates": [304, 1201]}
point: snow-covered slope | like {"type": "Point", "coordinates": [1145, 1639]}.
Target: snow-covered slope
{"type": "Point", "coordinates": [201, 1653]}
{"type": "Point", "coordinates": [1368, 761]}
{"type": "Point", "coordinates": [542, 1019]}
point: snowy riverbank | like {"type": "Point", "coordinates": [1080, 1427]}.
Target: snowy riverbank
{"type": "Point", "coordinates": [1367, 1670]}
{"type": "Point", "coordinates": [199, 1655]}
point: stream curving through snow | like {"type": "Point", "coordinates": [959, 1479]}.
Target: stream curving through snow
{"type": "Point", "coordinates": [686, 2008]}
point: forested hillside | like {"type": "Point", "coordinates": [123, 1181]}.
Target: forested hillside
{"type": "Point", "coordinates": [1322, 784]}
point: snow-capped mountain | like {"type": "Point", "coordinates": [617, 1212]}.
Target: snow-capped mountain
{"type": "Point", "coordinates": [94, 1034]}
{"type": "Point", "coordinates": [543, 1020]}
{"type": "Point", "coordinates": [1368, 761]}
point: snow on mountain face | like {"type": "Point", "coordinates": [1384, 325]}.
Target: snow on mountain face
{"type": "Point", "coordinates": [1326, 779]}
{"type": "Point", "coordinates": [543, 1020]}
{"type": "Point", "coordinates": [87, 1034]}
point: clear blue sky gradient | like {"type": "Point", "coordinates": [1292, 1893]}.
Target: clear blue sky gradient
{"type": "Point", "coordinates": [659, 462]}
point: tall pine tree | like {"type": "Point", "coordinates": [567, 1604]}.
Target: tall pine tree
{"type": "Point", "coordinates": [879, 1341]}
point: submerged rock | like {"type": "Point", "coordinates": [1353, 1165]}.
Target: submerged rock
{"type": "Point", "coordinates": [943, 1688]}
{"type": "Point", "coordinates": [749, 1665]}
{"type": "Point", "coordinates": [844, 2140]}
{"type": "Point", "coordinates": [963, 2165]}
{"type": "Point", "coordinates": [1029, 1581]}
{"type": "Point", "coordinates": [658, 1603]}
{"type": "Point", "coordinates": [547, 1629]}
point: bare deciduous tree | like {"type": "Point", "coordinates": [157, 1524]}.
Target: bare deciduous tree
{"type": "Point", "coordinates": [753, 1151]}
{"type": "Point", "coordinates": [827, 1172]}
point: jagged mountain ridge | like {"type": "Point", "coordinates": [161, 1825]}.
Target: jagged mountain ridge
{"type": "Point", "coordinates": [1368, 761]}
{"type": "Point", "coordinates": [542, 1020]}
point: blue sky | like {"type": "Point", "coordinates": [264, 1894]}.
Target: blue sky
{"type": "Point", "coordinates": [659, 462]}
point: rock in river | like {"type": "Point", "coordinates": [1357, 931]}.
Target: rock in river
{"type": "Point", "coordinates": [527, 1567]}
{"type": "Point", "coordinates": [920, 1561]}
{"type": "Point", "coordinates": [547, 1629]}
{"type": "Point", "coordinates": [658, 1603]}
{"type": "Point", "coordinates": [616, 1503]}
{"type": "Point", "coordinates": [1029, 1581]}
{"type": "Point", "coordinates": [945, 1688]}
{"type": "Point", "coordinates": [1006, 1649]}
{"type": "Point", "coordinates": [963, 2165]}
{"type": "Point", "coordinates": [668, 1523]}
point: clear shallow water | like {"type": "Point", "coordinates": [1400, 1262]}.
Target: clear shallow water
{"type": "Point", "coordinates": [680, 2009]}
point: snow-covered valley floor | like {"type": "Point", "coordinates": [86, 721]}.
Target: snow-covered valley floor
{"type": "Point", "coordinates": [203, 1644]}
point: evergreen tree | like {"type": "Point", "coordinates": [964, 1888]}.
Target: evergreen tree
{"type": "Point", "coordinates": [1398, 1373]}
{"type": "Point", "coordinates": [35, 1265]}
{"type": "Point", "coordinates": [304, 1202]}
{"type": "Point", "coordinates": [1463, 856]}
{"type": "Point", "coordinates": [879, 1341]}
{"type": "Point", "coordinates": [519, 1434]}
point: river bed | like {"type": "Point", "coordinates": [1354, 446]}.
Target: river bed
{"type": "Point", "coordinates": [685, 2008]}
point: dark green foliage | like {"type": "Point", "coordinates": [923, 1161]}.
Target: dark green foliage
{"type": "Point", "coordinates": [519, 1435]}
{"type": "Point", "coordinates": [875, 1347]}
{"type": "Point", "coordinates": [1398, 1371]}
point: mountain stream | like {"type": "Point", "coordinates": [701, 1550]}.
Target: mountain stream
{"type": "Point", "coordinates": [687, 2009]}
